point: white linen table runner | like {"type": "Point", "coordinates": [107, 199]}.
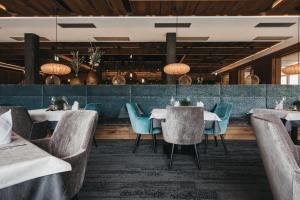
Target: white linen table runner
{"type": "Point", "coordinates": [161, 114]}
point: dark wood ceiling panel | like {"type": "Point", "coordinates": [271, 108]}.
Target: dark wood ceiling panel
{"type": "Point", "coordinates": [143, 8]}
{"type": "Point", "coordinates": [201, 56]}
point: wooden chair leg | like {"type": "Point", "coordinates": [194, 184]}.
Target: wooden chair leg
{"type": "Point", "coordinates": [224, 145]}
{"type": "Point", "coordinates": [154, 143]}
{"type": "Point", "coordinates": [95, 141]}
{"type": "Point", "coordinates": [205, 144]}
{"type": "Point", "coordinates": [197, 156]}
{"type": "Point", "coordinates": [216, 140]}
{"type": "Point", "coordinates": [171, 157]}
{"type": "Point", "coordinates": [138, 138]}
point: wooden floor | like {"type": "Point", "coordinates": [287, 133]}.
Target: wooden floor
{"type": "Point", "coordinates": [124, 131]}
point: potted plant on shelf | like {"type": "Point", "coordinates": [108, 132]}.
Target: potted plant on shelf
{"type": "Point", "coordinates": [95, 55]}
{"type": "Point", "coordinates": [76, 63]}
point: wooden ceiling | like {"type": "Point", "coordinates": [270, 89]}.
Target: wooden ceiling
{"type": "Point", "coordinates": [203, 57]}
{"type": "Point", "coordinates": [148, 7]}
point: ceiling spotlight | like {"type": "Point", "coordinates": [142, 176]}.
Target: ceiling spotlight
{"type": "Point", "coordinates": [215, 73]}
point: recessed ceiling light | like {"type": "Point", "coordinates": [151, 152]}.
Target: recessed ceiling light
{"type": "Point", "coordinates": [20, 39]}
{"type": "Point", "coordinates": [192, 38]}
{"type": "Point", "coordinates": [274, 25]}
{"type": "Point", "coordinates": [112, 38]}
{"type": "Point", "coordinates": [77, 25]}
{"type": "Point", "coordinates": [172, 25]}
{"type": "Point", "coordinates": [272, 38]}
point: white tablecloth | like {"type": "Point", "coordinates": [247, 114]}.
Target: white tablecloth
{"type": "Point", "coordinates": [283, 114]}
{"type": "Point", "coordinates": [43, 115]}
{"type": "Point", "coordinates": [26, 161]}
{"type": "Point", "coordinates": [161, 114]}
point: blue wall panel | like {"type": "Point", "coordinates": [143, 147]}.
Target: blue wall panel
{"type": "Point", "coordinates": [113, 98]}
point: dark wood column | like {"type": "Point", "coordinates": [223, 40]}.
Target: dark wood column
{"type": "Point", "coordinates": [31, 57]}
{"type": "Point", "coordinates": [171, 55]}
{"type": "Point", "coordinates": [234, 76]}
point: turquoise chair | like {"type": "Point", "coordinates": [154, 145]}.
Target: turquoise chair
{"type": "Point", "coordinates": [223, 110]}
{"type": "Point", "coordinates": [95, 107]}
{"type": "Point", "coordinates": [141, 124]}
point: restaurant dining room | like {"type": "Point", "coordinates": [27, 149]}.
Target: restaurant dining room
{"type": "Point", "coordinates": [149, 99]}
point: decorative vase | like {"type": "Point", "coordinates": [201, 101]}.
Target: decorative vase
{"type": "Point", "coordinates": [92, 78]}
{"type": "Point", "coordinates": [252, 78]}
{"type": "Point", "coordinates": [75, 81]}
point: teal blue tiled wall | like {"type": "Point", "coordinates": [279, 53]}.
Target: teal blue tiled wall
{"type": "Point", "coordinates": [113, 98]}
{"type": "Point", "coordinates": [244, 97]}
{"type": "Point", "coordinates": [275, 93]}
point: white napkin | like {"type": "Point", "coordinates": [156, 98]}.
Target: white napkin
{"type": "Point", "coordinates": [75, 105]}
{"type": "Point", "coordinates": [5, 128]}
{"type": "Point", "coordinates": [200, 104]}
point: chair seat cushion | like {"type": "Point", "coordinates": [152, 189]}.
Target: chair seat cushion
{"type": "Point", "coordinates": [154, 131]}
{"type": "Point", "coordinates": [210, 132]}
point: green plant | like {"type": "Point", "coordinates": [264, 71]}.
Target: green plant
{"type": "Point", "coordinates": [95, 55]}
{"type": "Point", "coordinates": [185, 102]}
{"type": "Point", "coordinates": [58, 102]}
{"type": "Point", "coordinates": [297, 104]}
{"type": "Point", "coordinates": [76, 61]}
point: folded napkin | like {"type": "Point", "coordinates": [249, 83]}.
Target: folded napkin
{"type": "Point", "coordinates": [5, 128]}
{"type": "Point", "coordinates": [75, 105]}
{"type": "Point", "coordinates": [200, 104]}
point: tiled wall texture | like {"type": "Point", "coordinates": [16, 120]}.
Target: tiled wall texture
{"type": "Point", "coordinates": [113, 98]}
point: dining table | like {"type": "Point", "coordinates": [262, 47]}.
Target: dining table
{"type": "Point", "coordinates": [28, 172]}
{"type": "Point", "coordinates": [290, 118]}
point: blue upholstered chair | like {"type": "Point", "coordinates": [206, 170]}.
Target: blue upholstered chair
{"type": "Point", "coordinates": [95, 107]}
{"type": "Point", "coordinates": [223, 110]}
{"type": "Point", "coordinates": [141, 124]}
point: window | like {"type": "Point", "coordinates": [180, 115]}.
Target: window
{"type": "Point", "coordinates": [289, 79]}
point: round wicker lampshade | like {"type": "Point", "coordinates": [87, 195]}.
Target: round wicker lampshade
{"type": "Point", "coordinates": [118, 80]}
{"type": "Point", "coordinates": [185, 80]}
{"type": "Point", "coordinates": [176, 69]}
{"type": "Point", "coordinates": [55, 69]}
{"type": "Point", "coordinates": [292, 69]}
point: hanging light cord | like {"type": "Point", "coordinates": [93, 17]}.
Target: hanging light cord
{"type": "Point", "coordinates": [56, 28]}
{"type": "Point", "coordinates": [298, 40]}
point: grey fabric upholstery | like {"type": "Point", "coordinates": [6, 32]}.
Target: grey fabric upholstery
{"type": "Point", "coordinates": [71, 141]}
{"type": "Point", "coordinates": [183, 125]}
{"type": "Point", "coordinates": [280, 156]}
{"type": "Point", "coordinates": [23, 125]}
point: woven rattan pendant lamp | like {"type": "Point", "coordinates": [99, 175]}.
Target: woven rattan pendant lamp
{"type": "Point", "coordinates": [176, 68]}
{"type": "Point", "coordinates": [55, 68]}
{"type": "Point", "coordinates": [294, 68]}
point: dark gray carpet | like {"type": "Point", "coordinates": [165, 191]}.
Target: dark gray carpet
{"type": "Point", "coordinates": [115, 173]}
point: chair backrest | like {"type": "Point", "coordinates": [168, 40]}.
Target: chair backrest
{"type": "Point", "coordinates": [223, 110]}
{"type": "Point", "coordinates": [22, 123]}
{"type": "Point", "coordinates": [278, 153]}
{"type": "Point", "coordinates": [183, 125]}
{"type": "Point", "coordinates": [73, 133]}
{"type": "Point", "coordinates": [133, 115]}
{"type": "Point", "coordinates": [93, 106]}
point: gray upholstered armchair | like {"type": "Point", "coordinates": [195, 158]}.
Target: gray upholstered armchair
{"type": "Point", "coordinates": [71, 141]}
{"type": "Point", "coordinates": [280, 156]}
{"type": "Point", "coordinates": [23, 124]}
{"type": "Point", "coordinates": [183, 126]}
